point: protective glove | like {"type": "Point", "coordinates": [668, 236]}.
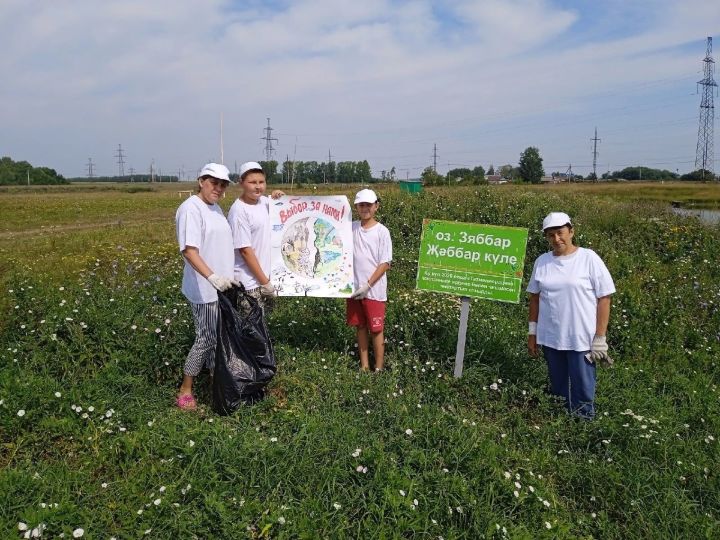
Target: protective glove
{"type": "Point", "coordinates": [268, 290]}
{"type": "Point", "coordinates": [221, 283]}
{"type": "Point", "coordinates": [598, 352]}
{"type": "Point", "coordinates": [362, 292]}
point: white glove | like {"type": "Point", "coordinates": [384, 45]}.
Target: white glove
{"type": "Point", "coordinates": [220, 283]}
{"type": "Point", "coordinates": [598, 351]}
{"type": "Point", "coordinates": [268, 290]}
{"type": "Point", "coordinates": [361, 292]}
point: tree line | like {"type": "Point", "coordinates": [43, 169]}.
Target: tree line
{"type": "Point", "coordinates": [127, 178]}
{"type": "Point", "coordinates": [22, 173]}
{"type": "Point", "coordinates": [312, 172]}
{"type": "Point", "coordinates": [529, 169]}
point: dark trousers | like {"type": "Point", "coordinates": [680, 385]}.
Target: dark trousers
{"type": "Point", "coordinates": [573, 378]}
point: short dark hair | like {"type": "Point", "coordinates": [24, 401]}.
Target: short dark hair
{"type": "Point", "coordinates": [252, 170]}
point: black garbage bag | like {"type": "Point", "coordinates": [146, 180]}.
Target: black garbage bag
{"type": "Point", "coordinates": [244, 357]}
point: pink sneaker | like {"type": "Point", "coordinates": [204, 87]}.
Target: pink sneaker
{"type": "Point", "coordinates": [186, 402]}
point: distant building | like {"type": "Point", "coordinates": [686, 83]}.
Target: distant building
{"type": "Point", "coordinates": [495, 179]}
{"type": "Point", "coordinates": [550, 180]}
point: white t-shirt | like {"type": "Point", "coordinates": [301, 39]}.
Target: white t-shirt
{"type": "Point", "coordinates": [569, 287]}
{"type": "Point", "coordinates": [371, 248]}
{"type": "Point", "coordinates": [204, 226]}
{"type": "Point", "coordinates": [250, 224]}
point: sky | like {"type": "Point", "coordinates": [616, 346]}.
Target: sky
{"type": "Point", "coordinates": [382, 80]}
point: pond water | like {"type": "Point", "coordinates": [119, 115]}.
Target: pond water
{"type": "Point", "coordinates": [708, 216]}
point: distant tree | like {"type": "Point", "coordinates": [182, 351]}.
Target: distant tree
{"type": "Point", "coordinates": [531, 169]}
{"type": "Point", "coordinates": [491, 170]}
{"type": "Point", "coordinates": [698, 175]}
{"type": "Point", "coordinates": [18, 172]}
{"type": "Point", "coordinates": [270, 168]}
{"type": "Point", "coordinates": [364, 174]}
{"type": "Point", "coordinates": [644, 173]}
{"type": "Point", "coordinates": [592, 177]}
{"type": "Point", "coordinates": [458, 175]}
{"type": "Point", "coordinates": [478, 174]}
{"type": "Point", "coordinates": [506, 171]}
{"type": "Point", "coordinates": [430, 177]}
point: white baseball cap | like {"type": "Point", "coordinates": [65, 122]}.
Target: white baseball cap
{"type": "Point", "coordinates": [216, 170]}
{"type": "Point", "coordinates": [249, 166]}
{"type": "Point", "coordinates": [365, 196]}
{"type": "Point", "coordinates": [556, 219]}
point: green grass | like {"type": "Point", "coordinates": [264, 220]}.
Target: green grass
{"type": "Point", "coordinates": [94, 312]}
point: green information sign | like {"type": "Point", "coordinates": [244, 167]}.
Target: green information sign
{"type": "Point", "coordinates": [467, 259]}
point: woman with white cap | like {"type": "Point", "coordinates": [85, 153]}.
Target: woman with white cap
{"type": "Point", "coordinates": [569, 290]}
{"type": "Point", "coordinates": [205, 242]}
{"type": "Point", "coordinates": [249, 218]}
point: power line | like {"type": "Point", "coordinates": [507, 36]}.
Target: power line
{"type": "Point", "coordinates": [120, 161]}
{"type": "Point", "coordinates": [268, 141]}
{"type": "Point", "coordinates": [595, 155]}
{"type": "Point", "coordinates": [704, 153]}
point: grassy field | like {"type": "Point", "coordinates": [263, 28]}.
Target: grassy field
{"type": "Point", "coordinates": [94, 332]}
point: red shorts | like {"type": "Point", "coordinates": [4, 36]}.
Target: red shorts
{"type": "Point", "coordinates": [359, 312]}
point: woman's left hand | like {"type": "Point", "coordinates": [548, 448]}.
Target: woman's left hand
{"type": "Point", "coordinates": [277, 193]}
{"type": "Point", "coordinates": [532, 345]}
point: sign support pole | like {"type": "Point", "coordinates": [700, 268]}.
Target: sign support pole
{"type": "Point", "coordinates": [462, 332]}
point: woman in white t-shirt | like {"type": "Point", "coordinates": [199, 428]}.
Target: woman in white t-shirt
{"type": "Point", "coordinates": [205, 241]}
{"type": "Point", "coordinates": [249, 218]}
{"type": "Point", "coordinates": [570, 290]}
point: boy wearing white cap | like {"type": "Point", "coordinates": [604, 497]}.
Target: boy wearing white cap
{"type": "Point", "coordinates": [372, 255]}
{"type": "Point", "coordinates": [249, 218]}
{"type": "Point", "coordinates": [205, 241]}
{"type": "Point", "coordinates": [569, 290]}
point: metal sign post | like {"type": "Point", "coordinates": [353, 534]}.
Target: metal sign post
{"type": "Point", "coordinates": [462, 332]}
{"type": "Point", "coordinates": [470, 260]}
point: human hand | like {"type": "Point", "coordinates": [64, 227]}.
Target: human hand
{"type": "Point", "coordinates": [598, 351]}
{"type": "Point", "coordinates": [361, 292]}
{"type": "Point", "coordinates": [532, 345]}
{"type": "Point", "coordinates": [221, 283]}
{"type": "Point", "coordinates": [277, 193]}
{"type": "Point", "coordinates": [268, 290]}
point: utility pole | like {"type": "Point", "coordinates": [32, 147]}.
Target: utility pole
{"type": "Point", "coordinates": [595, 154]}
{"type": "Point", "coordinates": [268, 138]}
{"type": "Point", "coordinates": [328, 166]}
{"type": "Point", "coordinates": [705, 153]}
{"type": "Point", "coordinates": [120, 161]}
{"type": "Point", "coordinates": [435, 156]}
{"type": "Point", "coordinates": [152, 170]}
{"type": "Point", "coordinates": [90, 168]}
{"type": "Point", "coordinates": [569, 173]}
{"type": "Point", "coordinates": [132, 173]}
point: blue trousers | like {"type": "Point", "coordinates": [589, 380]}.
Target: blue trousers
{"type": "Point", "coordinates": [573, 378]}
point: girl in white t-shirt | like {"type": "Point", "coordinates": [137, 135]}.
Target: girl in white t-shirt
{"type": "Point", "coordinates": [249, 218]}
{"type": "Point", "coordinates": [570, 290]}
{"type": "Point", "coordinates": [205, 241]}
{"type": "Point", "coordinates": [372, 255]}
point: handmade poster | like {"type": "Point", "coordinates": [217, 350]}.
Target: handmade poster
{"type": "Point", "coordinates": [311, 246]}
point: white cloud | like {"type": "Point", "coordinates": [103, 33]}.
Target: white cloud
{"type": "Point", "coordinates": [376, 79]}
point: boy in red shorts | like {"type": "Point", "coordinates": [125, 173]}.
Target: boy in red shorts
{"type": "Point", "coordinates": [372, 254]}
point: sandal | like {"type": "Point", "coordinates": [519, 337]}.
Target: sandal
{"type": "Point", "coordinates": [186, 402]}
